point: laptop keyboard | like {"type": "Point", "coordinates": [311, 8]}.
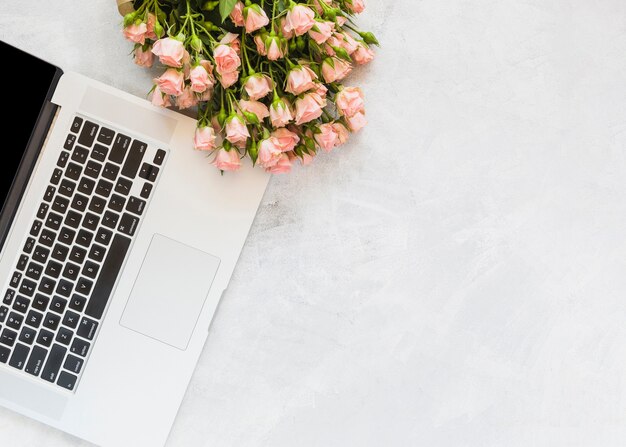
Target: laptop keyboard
{"type": "Point", "coordinates": [74, 251]}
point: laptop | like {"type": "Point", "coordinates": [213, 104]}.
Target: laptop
{"type": "Point", "coordinates": [118, 240]}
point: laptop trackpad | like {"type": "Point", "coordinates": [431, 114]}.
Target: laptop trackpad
{"type": "Point", "coordinates": [169, 291]}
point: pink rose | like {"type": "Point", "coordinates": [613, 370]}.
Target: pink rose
{"type": "Point", "coordinates": [318, 5]}
{"type": "Point", "coordinates": [300, 80]}
{"type": "Point", "coordinates": [274, 49]}
{"type": "Point", "coordinates": [255, 18]}
{"type": "Point", "coordinates": [237, 14]}
{"type": "Point", "coordinates": [327, 138]}
{"type": "Point", "coordinates": [136, 33]}
{"type": "Point", "coordinates": [280, 113]}
{"type": "Point", "coordinates": [286, 139]}
{"type": "Point", "coordinates": [309, 108]}
{"type": "Point", "coordinates": [150, 24]}
{"type": "Point", "coordinates": [342, 133]}
{"type": "Point", "coordinates": [306, 159]}
{"type": "Point", "coordinates": [232, 40]}
{"type": "Point", "coordinates": [287, 34]}
{"type": "Point", "coordinates": [299, 19]}
{"type": "Point", "coordinates": [260, 44]}
{"type": "Point", "coordinates": [282, 166]}
{"type": "Point", "coordinates": [143, 58]}
{"type": "Point", "coordinates": [227, 160]}
{"type": "Point", "coordinates": [186, 99]}
{"type": "Point", "coordinates": [347, 42]}
{"type": "Point", "coordinates": [363, 54]}
{"type": "Point", "coordinates": [321, 90]}
{"type": "Point", "coordinates": [335, 69]}
{"type": "Point", "coordinates": [355, 6]}
{"type": "Point", "coordinates": [229, 78]}
{"type": "Point", "coordinates": [204, 138]}
{"type": "Point", "coordinates": [257, 86]}
{"type": "Point", "coordinates": [171, 82]}
{"type": "Point", "coordinates": [226, 59]}
{"type": "Point", "coordinates": [269, 153]}
{"type": "Point", "coordinates": [236, 130]}
{"type": "Point", "coordinates": [349, 101]}
{"type": "Point", "coordinates": [160, 99]}
{"type": "Point", "coordinates": [357, 121]}
{"type": "Point", "coordinates": [256, 107]}
{"type": "Point", "coordinates": [322, 31]}
{"type": "Point", "coordinates": [170, 51]}
{"type": "Point", "coordinates": [341, 21]}
{"type": "Point", "coordinates": [199, 78]}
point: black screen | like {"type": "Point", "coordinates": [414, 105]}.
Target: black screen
{"type": "Point", "coordinates": [27, 81]}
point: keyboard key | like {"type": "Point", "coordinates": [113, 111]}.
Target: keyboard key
{"type": "Point", "coordinates": [20, 354]}
{"type": "Point", "coordinates": [116, 203]}
{"type": "Point", "coordinates": [66, 235]}
{"type": "Point", "coordinates": [28, 287]}
{"type": "Point", "coordinates": [60, 204]}
{"type": "Point", "coordinates": [110, 171]}
{"type": "Point", "coordinates": [128, 224]}
{"type": "Point", "coordinates": [54, 221]}
{"type": "Point", "coordinates": [64, 336]}
{"type": "Point", "coordinates": [123, 186]}
{"type": "Point", "coordinates": [78, 254]}
{"type": "Point", "coordinates": [110, 219]}
{"type": "Point", "coordinates": [86, 186]}
{"type": "Point", "coordinates": [34, 271]}
{"type": "Point", "coordinates": [87, 328]}
{"type": "Point", "coordinates": [29, 245]}
{"type": "Point", "coordinates": [90, 270]}
{"type": "Point", "coordinates": [73, 219]}
{"type": "Point", "coordinates": [62, 161]}
{"type": "Point", "coordinates": [51, 370]}
{"type": "Point", "coordinates": [108, 276]}
{"type": "Point", "coordinates": [34, 318]}
{"type": "Point", "coordinates": [4, 354]}
{"type": "Point", "coordinates": [40, 302]}
{"type": "Point", "coordinates": [159, 157]}
{"type": "Point", "coordinates": [64, 288]}
{"type": "Point", "coordinates": [88, 134]}
{"type": "Point", "coordinates": [104, 236]}
{"type": "Point", "coordinates": [8, 296]}
{"type": "Point", "coordinates": [97, 204]}
{"type": "Point", "coordinates": [45, 337]}
{"type": "Point", "coordinates": [71, 319]}
{"type": "Point", "coordinates": [67, 188]}
{"type": "Point", "coordinates": [67, 380]}
{"type": "Point", "coordinates": [79, 347]}
{"type": "Point", "coordinates": [135, 205]}
{"type": "Point", "coordinates": [35, 361]}
{"type": "Point", "coordinates": [21, 304]}
{"type": "Point", "coordinates": [106, 136]}
{"type": "Point", "coordinates": [53, 269]}
{"type": "Point", "coordinates": [149, 172]}
{"type": "Point", "coordinates": [104, 188]}
{"type": "Point", "coordinates": [59, 252]}
{"type": "Point", "coordinates": [93, 169]}
{"type": "Point", "coordinates": [97, 252]}
{"type": "Point", "coordinates": [84, 286]}
{"type": "Point", "coordinates": [79, 202]}
{"type": "Point", "coordinates": [71, 271]}
{"type": "Point", "coordinates": [146, 190]}
{"type": "Point", "coordinates": [8, 337]}
{"type": "Point", "coordinates": [75, 127]}
{"type": "Point", "coordinates": [73, 363]}
{"type": "Point", "coordinates": [35, 228]}
{"type": "Point", "coordinates": [41, 254]}
{"type": "Point", "coordinates": [80, 154]}
{"type": "Point", "coordinates": [15, 279]}
{"type": "Point", "coordinates": [73, 171]}
{"type": "Point", "coordinates": [4, 311]}
{"type": "Point", "coordinates": [15, 320]}
{"type": "Point", "coordinates": [99, 152]}
{"type": "Point", "coordinates": [27, 335]}
{"type": "Point", "coordinates": [21, 263]}
{"type": "Point", "coordinates": [78, 302]}
{"type": "Point", "coordinates": [47, 285]}
{"type": "Point", "coordinates": [49, 194]}
{"type": "Point", "coordinates": [56, 176]}
{"type": "Point", "coordinates": [120, 146]}
{"type": "Point", "coordinates": [133, 161]}
{"type": "Point", "coordinates": [47, 237]}
{"type": "Point", "coordinates": [58, 304]}
{"type": "Point", "coordinates": [69, 142]}
{"type": "Point", "coordinates": [51, 321]}
{"type": "Point", "coordinates": [42, 211]}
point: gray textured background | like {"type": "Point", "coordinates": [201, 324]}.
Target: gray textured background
{"type": "Point", "coordinates": [455, 275]}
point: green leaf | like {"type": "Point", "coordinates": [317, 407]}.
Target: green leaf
{"type": "Point", "coordinates": [226, 7]}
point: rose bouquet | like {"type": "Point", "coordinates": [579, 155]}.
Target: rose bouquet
{"type": "Point", "coordinates": [265, 75]}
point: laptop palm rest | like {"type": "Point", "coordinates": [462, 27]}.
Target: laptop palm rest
{"type": "Point", "coordinates": [169, 292]}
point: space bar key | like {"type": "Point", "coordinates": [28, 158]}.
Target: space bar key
{"type": "Point", "coordinates": [108, 276]}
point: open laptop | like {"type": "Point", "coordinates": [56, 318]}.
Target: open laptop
{"type": "Point", "coordinates": [118, 240]}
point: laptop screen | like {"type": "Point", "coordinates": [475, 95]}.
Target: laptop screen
{"type": "Point", "coordinates": [26, 81]}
